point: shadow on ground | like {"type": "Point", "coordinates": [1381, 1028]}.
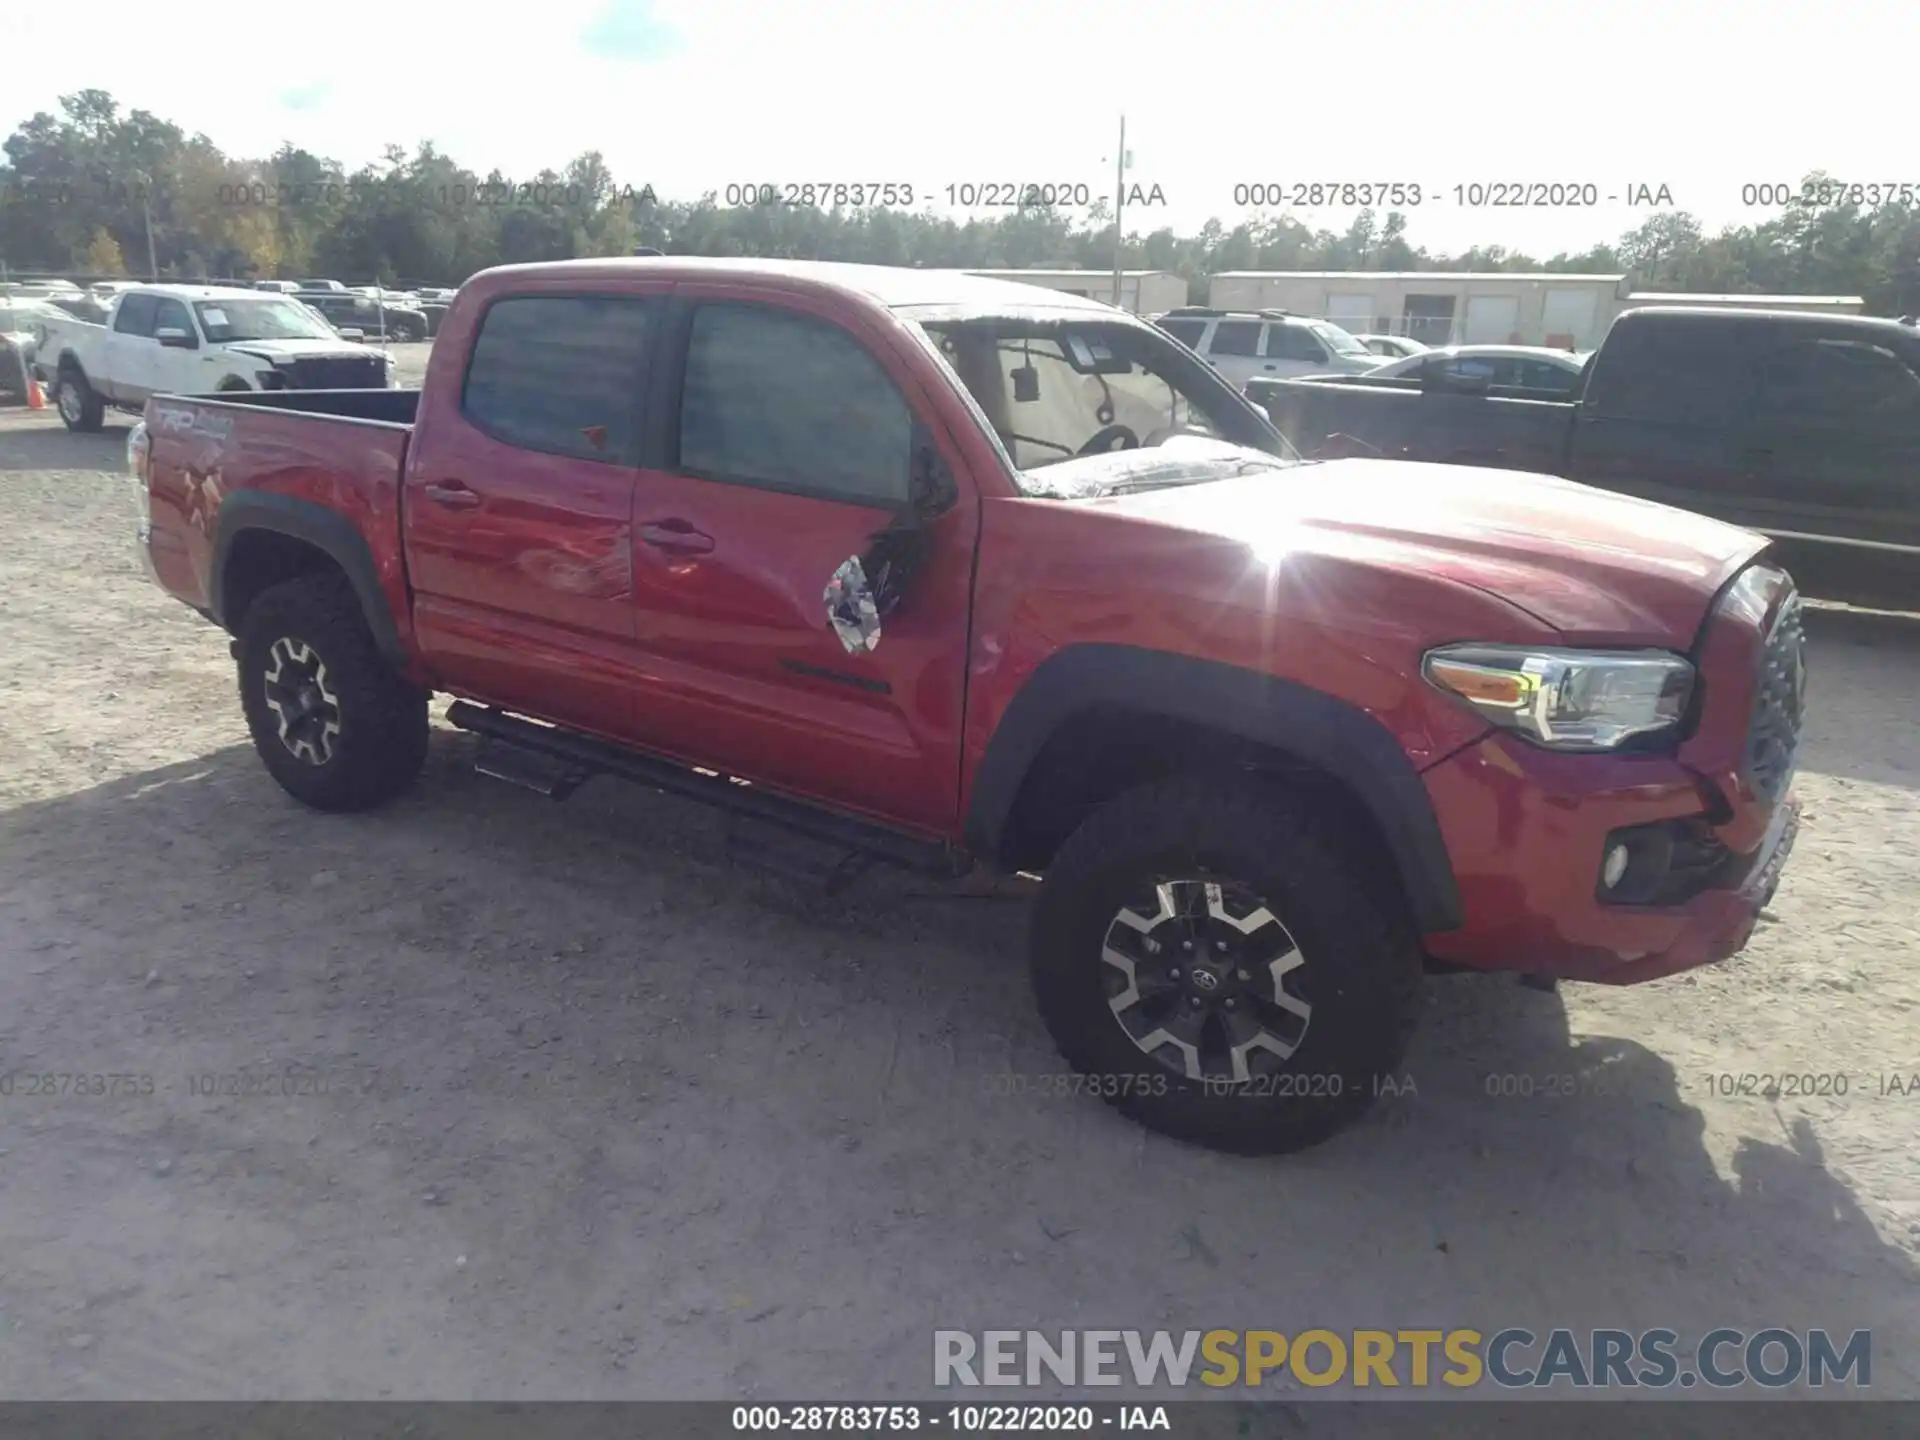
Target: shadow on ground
{"type": "Point", "coordinates": [693, 1132]}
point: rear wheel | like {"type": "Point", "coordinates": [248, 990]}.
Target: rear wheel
{"type": "Point", "coordinates": [330, 719]}
{"type": "Point", "coordinates": [1224, 964]}
{"type": "Point", "coordinates": [81, 407]}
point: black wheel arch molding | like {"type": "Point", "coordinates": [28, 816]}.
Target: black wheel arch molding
{"type": "Point", "coordinates": [1337, 738]}
{"type": "Point", "coordinates": [250, 511]}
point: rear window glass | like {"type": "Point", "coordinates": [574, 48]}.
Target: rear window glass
{"type": "Point", "coordinates": [1187, 332]}
{"type": "Point", "coordinates": [1235, 337]}
{"type": "Point", "coordinates": [1675, 370]}
{"type": "Point", "coordinates": [135, 315]}
{"type": "Point", "coordinates": [560, 374]}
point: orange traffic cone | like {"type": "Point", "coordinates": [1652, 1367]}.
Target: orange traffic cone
{"type": "Point", "coordinates": [36, 397]}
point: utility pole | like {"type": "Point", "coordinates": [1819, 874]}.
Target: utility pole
{"type": "Point", "coordinates": [1119, 204]}
{"type": "Point", "coordinates": [145, 182]}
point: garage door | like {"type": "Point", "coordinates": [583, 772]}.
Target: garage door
{"type": "Point", "coordinates": [1352, 313]}
{"type": "Point", "coordinates": [1568, 318]}
{"type": "Point", "coordinates": [1492, 319]}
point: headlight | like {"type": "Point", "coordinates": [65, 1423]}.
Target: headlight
{"type": "Point", "coordinates": [1567, 699]}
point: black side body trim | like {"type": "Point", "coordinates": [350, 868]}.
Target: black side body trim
{"type": "Point", "coordinates": [326, 530]}
{"type": "Point", "coordinates": [799, 816]}
{"type": "Point", "coordinates": [840, 677]}
{"type": "Point", "coordinates": [1345, 742]}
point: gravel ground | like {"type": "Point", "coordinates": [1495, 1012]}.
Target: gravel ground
{"type": "Point", "coordinates": [583, 1110]}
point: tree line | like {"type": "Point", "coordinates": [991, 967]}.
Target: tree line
{"type": "Point", "coordinates": [89, 190]}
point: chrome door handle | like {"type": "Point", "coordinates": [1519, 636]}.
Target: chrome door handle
{"type": "Point", "coordinates": [452, 494]}
{"type": "Point", "coordinates": [676, 537]}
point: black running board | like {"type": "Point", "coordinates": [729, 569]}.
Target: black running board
{"type": "Point", "coordinates": [553, 761]}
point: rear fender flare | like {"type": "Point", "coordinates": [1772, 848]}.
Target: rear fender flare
{"type": "Point", "coordinates": [1337, 738]}
{"type": "Point", "coordinates": [327, 531]}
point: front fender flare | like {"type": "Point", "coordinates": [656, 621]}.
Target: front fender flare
{"type": "Point", "coordinates": [1338, 738]}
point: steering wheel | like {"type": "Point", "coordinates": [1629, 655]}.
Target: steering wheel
{"type": "Point", "coordinates": [1103, 439]}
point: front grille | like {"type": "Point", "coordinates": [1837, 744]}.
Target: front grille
{"type": "Point", "coordinates": [343, 372]}
{"type": "Point", "coordinates": [1779, 704]}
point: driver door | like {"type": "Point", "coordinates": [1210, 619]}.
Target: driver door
{"type": "Point", "coordinates": [783, 440]}
{"type": "Point", "coordinates": [177, 371]}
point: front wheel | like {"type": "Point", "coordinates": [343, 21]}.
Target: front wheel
{"type": "Point", "coordinates": [330, 719]}
{"type": "Point", "coordinates": [1224, 965]}
{"type": "Point", "coordinates": [81, 406]}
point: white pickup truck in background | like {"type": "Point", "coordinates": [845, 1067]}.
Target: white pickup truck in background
{"type": "Point", "coordinates": [198, 340]}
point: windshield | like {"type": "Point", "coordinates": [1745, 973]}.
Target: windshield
{"type": "Point", "coordinates": [245, 318]}
{"type": "Point", "coordinates": [1339, 341]}
{"type": "Point", "coordinates": [1057, 390]}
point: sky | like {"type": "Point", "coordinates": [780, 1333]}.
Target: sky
{"type": "Point", "coordinates": [696, 95]}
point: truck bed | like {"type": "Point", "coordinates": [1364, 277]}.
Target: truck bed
{"type": "Point", "coordinates": [211, 458]}
{"type": "Point", "coordinates": [1401, 420]}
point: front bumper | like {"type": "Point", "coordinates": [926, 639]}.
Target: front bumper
{"type": "Point", "coordinates": [1528, 827]}
{"type": "Point", "coordinates": [1528, 831]}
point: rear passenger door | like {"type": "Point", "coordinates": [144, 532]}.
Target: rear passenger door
{"type": "Point", "coordinates": [519, 509]}
{"type": "Point", "coordinates": [1666, 410]}
{"type": "Point", "coordinates": [787, 439]}
{"type": "Point", "coordinates": [1835, 445]}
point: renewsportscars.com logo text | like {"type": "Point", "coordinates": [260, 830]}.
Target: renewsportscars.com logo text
{"type": "Point", "coordinates": [1512, 1358]}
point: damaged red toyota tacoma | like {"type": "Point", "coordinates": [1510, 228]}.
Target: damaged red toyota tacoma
{"type": "Point", "coordinates": [951, 572]}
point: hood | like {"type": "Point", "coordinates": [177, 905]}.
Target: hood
{"type": "Point", "coordinates": [304, 349]}
{"type": "Point", "coordinates": [1582, 560]}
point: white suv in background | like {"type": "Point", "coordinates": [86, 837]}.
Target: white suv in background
{"type": "Point", "coordinates": [1249, 344]}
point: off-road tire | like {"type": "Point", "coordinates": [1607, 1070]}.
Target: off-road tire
{"type": "Point", "coordinates": [84, 409]}
{"type": "Point", "coordinates": [1336, 897]}
{"type": "Point", "coordinates": [381, 742]}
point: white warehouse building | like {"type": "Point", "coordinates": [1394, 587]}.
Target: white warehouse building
{"type": "Point", "coordinates": [1438, 307]}
{"type": "Point", "coordinates": [1144, 292]}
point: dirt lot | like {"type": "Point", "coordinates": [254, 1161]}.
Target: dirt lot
{"type": "Point", "coordinates": [586, 1111]}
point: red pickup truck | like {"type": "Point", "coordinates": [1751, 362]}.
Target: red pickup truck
{"type": "Point", "coordinates": [946, 571]}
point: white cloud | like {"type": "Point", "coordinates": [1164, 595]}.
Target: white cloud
{"type": "Point", "coordinates": [1700, 99]}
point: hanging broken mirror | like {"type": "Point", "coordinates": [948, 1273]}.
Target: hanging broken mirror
{"type": "Point", "coordinates": [851, 609]}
